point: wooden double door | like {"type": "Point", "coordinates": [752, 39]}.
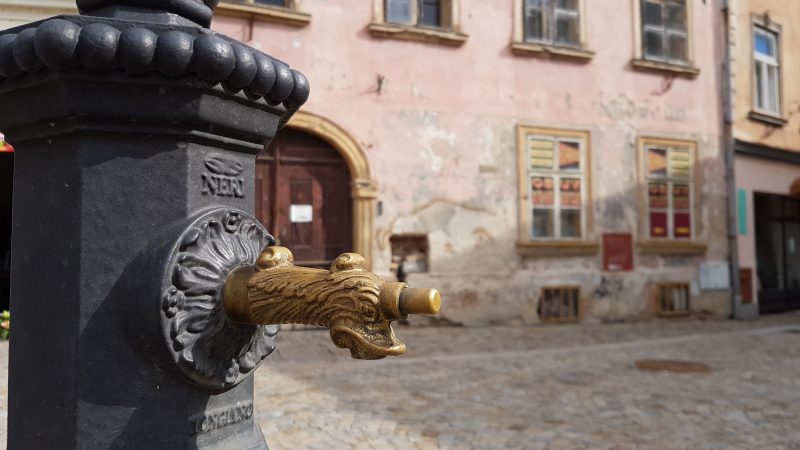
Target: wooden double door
{"type": "Point", "coordinates": [304, 197]}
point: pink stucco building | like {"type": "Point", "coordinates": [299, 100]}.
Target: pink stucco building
{"type": "Point", "coordinates": [491, 146]}
{"type": "Point", "coordinates": [536, 160]}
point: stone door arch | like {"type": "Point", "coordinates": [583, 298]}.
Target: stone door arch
{"type": "Point", "coordinates": [362, 186]}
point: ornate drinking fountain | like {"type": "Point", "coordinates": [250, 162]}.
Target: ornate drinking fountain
{"type": "Point", "coordinates": [144, 292]}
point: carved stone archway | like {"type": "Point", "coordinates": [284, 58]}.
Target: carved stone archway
{"type": "Point", "coordinates": [363, 189]}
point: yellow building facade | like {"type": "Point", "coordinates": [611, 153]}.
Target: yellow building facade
{"type": "Point", "coordinates": [765, 118]}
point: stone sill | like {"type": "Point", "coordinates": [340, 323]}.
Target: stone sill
{"type": "Point", "coordinates": [671, 247]}
{"type": "Point", "coordinates": [419, 34]}
{"type": "Point", "coordinates": [264, 13]}
{"type": "Point", "coordinates": [769, 119]}
{"type": "Point", "coordinates": [558, 248]}
{"type": "Point", "coordinates": [680, 70]}
{"type": "Point", "coordinates": [673, 314]}
{"type": "Point", "coordinates": [553, 51]}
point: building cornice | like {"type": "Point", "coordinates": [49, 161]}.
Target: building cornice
{"type": "Point", "coordinates": [766, 152]}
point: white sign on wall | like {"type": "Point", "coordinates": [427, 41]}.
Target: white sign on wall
{"type": "Point", "coordinates": [301, 213]}
{"type": "Point", "coordinates": [714, 275]}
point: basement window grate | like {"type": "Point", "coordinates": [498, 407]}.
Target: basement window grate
{"type": "Point", "coordinates": [673, 299]}
{"type": "Point", "coordinates": [560, 304]}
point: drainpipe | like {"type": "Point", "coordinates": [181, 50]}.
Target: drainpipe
{"type": "Point", "coordinates": [730, 158]}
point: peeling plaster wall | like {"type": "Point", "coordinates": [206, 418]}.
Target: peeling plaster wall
{"type": "Point", "coordinates": [440, 135]}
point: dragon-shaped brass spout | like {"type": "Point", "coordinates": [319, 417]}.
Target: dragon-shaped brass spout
{"type": "Point", "coordinates": [356, 305]}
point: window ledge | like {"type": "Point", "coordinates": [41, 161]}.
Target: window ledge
{"type": "Point", "coordinates": [420, 34]}
{"type": "Point", "coordinates": [558, 248]}
{"type": "Point", "coordinates": [553, 51]}
{"type": "Point", "coordinates": [680, 70]}
{"type": "Point", "coordinates": [672, 247]}
{"type": "Point", "coordinates": [769, 119]}
{"type": "Point", "coordinates": [264, 13]}
{"type": "Point", "coordinates": [673, 314]}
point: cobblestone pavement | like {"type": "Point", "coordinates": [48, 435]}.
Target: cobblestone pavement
{"type": "Point", "coordinates": [536, 387]}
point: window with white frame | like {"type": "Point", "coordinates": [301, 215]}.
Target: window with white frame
{"type": "Point", "coordinates": [665, 31]}
{"type": "Point", "coordinates": [556, 186]}
{"type": "Point", "coordinates": [766, 79]}
{"type": "Point", "coordinates": [424, 13]}
{"type": "Point", "coordinates": [670, 189]}
{"type": "Point", "coordinates": [552, 22]}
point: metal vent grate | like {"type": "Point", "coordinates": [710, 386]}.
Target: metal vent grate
{"type": "Point", "coordinates": [560, 304]}
{"type": "Point", "coordinates": [673, 299]}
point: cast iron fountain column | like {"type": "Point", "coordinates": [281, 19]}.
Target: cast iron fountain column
{"type": "Point", "coordinates": [135, 256]}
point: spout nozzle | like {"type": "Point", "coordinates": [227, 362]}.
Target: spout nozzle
{"type": "Point", "coordinates": [420, 301]}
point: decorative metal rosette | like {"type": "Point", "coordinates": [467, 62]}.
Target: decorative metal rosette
{"type": "Point", "coordinates": [212, 351]}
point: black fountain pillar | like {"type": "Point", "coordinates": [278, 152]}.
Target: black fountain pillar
{"type": "Point", "coordinates": [131, 122]}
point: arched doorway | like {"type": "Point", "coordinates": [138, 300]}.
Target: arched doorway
{"type": "Point", "coordinates": [362, 188]}
{"type": "Point", "coordinates": [303, 187]}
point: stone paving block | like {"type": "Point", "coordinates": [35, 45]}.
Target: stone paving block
{"type": "Point", "coordinates": [535, 388]}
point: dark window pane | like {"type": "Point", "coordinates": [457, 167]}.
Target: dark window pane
{"type": "Point", "coordinates": [272, 2]}
{"type": "Point", "coordinates": [654, 44]}
{"type": "Point", "coordinates": [398, 11]}
{"type": "Point", "coordinates": [791, 208]}
{"type": "Point", "coordinates": [760, 94]}
{"type": "Point", "coordinates": [534, 28]}
{"type": "Point", "coordinates": [768, 206]}
{"type": "Point", "coordinates": [792, 249]}
{"type": "Point", "coordinates": [769, 254]}
{"type": "Point", "coordinates": [571, 5]}
{"type": "Point", "coordinates": [652, 14]}
{"type": "Point", "coordinates": [543, 223]}
{"type": "Point", "coordinates": [429, 13]}
{"type": "Point", "coordinates": [570, 223]}
{"type": "Point", "coordinates": [567, 31]}
{"type": "Point", "coordinates": [676, 16]}
{"type": "Point", "coordinates": [677, 48]}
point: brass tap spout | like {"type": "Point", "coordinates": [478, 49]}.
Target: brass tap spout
{"type": "Point", "coordinates": [356, 305]}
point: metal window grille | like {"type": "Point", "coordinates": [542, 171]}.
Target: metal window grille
{"type": "Point", "coordinates": [560, 304]}
{"type": "Point", "coordinates": [673, 299]}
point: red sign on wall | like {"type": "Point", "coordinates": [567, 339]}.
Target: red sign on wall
{"type": "Point", "coordinates": [617, 252]}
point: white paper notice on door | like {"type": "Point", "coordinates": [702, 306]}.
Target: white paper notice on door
{"type": "Point", "coordinates": [301, 213]}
